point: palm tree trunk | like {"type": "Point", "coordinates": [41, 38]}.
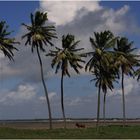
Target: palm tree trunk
{"type": "Point", "coordinates": [98, 106]}
{"type": "Point", "coordinates": [45, 88]}
{"type": "Point", "coordinates": [123, 99]}
{"type": "Point", "coordinates": [62, 99]}
{"type": "Point", "coordinates": [104, 107]}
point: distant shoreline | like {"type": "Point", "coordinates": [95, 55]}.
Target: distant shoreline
{"type": "Point", "coordinates": [58, 123]}
{"type": "Point", "coordinates": [68, 120]}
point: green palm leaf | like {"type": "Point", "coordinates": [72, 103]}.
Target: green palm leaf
{"type": "Point", "coordinates": [38, 33]}
{"type": "Point", "coordinates": [6, 44]}
{"type": "Point", "coordinates": [68, 54]}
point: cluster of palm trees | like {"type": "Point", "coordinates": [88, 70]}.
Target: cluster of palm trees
{"type": "Point", "coordinates": [112, 57]}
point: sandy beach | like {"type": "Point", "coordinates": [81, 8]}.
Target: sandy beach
{"type": "Point", "coordinates": [59, 124]}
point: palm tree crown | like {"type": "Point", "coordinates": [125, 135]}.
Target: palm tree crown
{"type": "Point", "coordinates": [125, 58]}
{"type": "Point", "coordinates": [39, 34]}
{"type": "Point", "coordinates": [101, 44]}
{"type": "Point", "coordinates": [67, 55]}
{"type": "Point", "coordinates": [6, 44]}
{"type": "Point", "coordinates": [105, 76]}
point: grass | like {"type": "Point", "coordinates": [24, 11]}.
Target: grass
{"type": "Point", "coordinates": [108, 132]}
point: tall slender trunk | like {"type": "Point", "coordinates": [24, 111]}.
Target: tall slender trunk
{"type": "Point", "coordinates": [123, 98]}
{"type": "Point", "coordinates": [104, 107]}
{"type": "Point", "coordinates": [98, 106]}
{"type": "Point", "coordinates": [62, 99]}
{"type": "Point", "coordinates": [45, 88]}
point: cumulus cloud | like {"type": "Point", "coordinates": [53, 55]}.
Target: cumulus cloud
{"type": "Point", "coordinates": [51, 96]}
{"type": "Point", "coordinates": [22, 93]}
{"type": "Point", "coordinates": [26, 64]}
{"type": "Point", "coordinates": [5, 69]}
{"type": "Point", "coordinates": [131, 86]}
{"type": "Point", "coordinates": [77, 101]}
{"type": "Point", "coordinates": [77, 18]}
{"type": "Point", "coordinates": [74, 102]}
{"type": "Point", "coordinates": [63, 12]}
{"type": "Point", "coordinates": [117, 21]}
{"type": "Point", "coordinates": [114, 20]}
{"type": "Point", "coordinates": [84, 105]}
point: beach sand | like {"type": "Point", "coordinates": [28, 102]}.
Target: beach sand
{"type": "Point", "coordinates": [60, 124]}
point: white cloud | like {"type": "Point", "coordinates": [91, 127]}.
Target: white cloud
{"type": "Point", "coordinates": [42, 98]}
{"type": "Point", "coordinates": [63, 12]}
{"type": "Point", "coordinates": [5, 69]}
{"type": "Point", "coordinates": [74, 102]}
{"type": "Point", "coordinates": [51, 96]}
{"type": "Point", "coordinates": [114, 19]}
{"type": "Point", "coordinates": [22, 93]}
{"type": "Point", "coordinates": [130, 86]}
{"type": "Point", "coordinates": [78, 101]}
{"type": "Point", "coordinates": [123, 10]}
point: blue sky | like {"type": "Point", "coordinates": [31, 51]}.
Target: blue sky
{"type": "Point", "coordinates": [21, 91]}
{"type": "Point", "coordinates": [17, 13]}
{"type": "Point", "coordinates": [134, 12]}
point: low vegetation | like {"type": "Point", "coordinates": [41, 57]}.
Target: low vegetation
{"type": "Point", "coordinates": [108, 132]}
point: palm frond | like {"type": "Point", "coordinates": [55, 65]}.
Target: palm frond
{"type": "Point", "coordinates": [7, 44]}
{"type": "Point", "coordinates": [68, 55]}
{"type": "Point", "coordinates": [38, 34]}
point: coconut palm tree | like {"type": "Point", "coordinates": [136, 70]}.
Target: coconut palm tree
{"type": "Point", "coordinates": [125, 61]}
{"type": "Point", "coordinates": [39, 35]}
{"type": "Point", "coordinates": [108, 77]}
{"type": "Point", "coordinates": [66, 57]}
{"type": "Point", "coordinates": [105, 76]}
{"type": "Point", "coordinates": [6, 43]}
{"type": "Point", "coordinates": [100, 60]}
